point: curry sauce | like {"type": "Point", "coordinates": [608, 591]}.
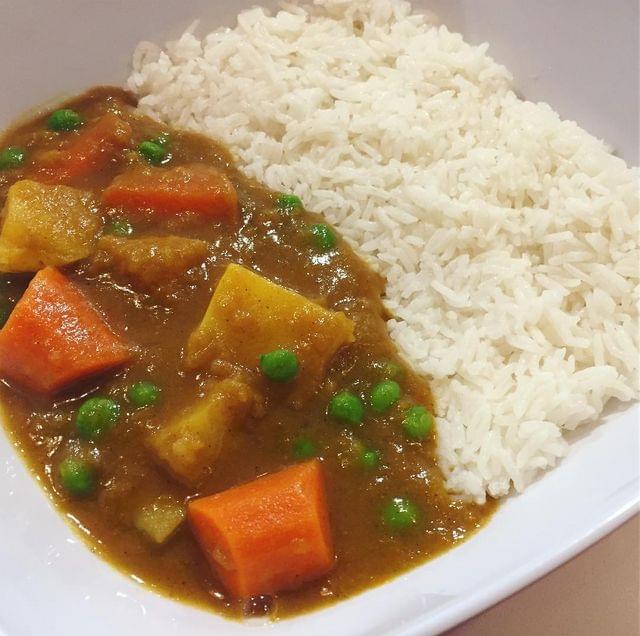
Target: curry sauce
{"type": "Point", "coordinates": [155, 307]}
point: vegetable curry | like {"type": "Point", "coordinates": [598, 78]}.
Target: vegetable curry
{"type": "Point", "coordinates": [198, 370]}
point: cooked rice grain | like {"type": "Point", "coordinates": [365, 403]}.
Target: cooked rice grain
{"type": "Point", "coordinates": [508, 237]}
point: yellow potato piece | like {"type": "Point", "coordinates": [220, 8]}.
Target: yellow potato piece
{"type": "Point", "coordinates": [160, 519]}
{"type": "Point", "coordinates": [46, 225]}
{"type": "Point", "coordinates": [249, 315]}
{"type": "Point", "coordinates": [189, 445]}
{"type": "Point", "coordinates": [153, 263]}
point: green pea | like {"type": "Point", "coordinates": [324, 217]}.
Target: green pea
{"type": "Point", "coordinates": [400, 514]}
{"type": "Point", "coordinates": [5, 311]}
{"type": "Point", "coordinates": [64, 120]}
{"type": "Point", "coordinates": [384, 395]}
{"type": "Point", "coordinates": [143, 393]}
{"type": "Point", "coordinates": [346, 407]}
{"type": "Point", "coordinates": [304, 448]}
{"type": "Point", "coordinates": [153, 152]}
{"type": "Point", "coordinates": [280, 365]}
{"type": "Point", "coordinates": [370, 458]}
{"type": "Point", "coordinates": [390, 369]}
{"type": "Point", "coordinates": [417, 423]}
{"type": "Point", "coordinates": [323, 236]}
{"type": "Point", "coordinates": [12, 157]}
{"type": "Point", "coordinates": [162, 139]}
{"type": "Point", "coordinates": [289, 202]}
{"type": "Point", "coordinates": [96, 416]}
{"type": "Point", "coordinates": [119, 227]}
{"type": "Point", "coordinates": [77, 476]}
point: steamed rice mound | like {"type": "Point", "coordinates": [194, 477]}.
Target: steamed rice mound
{"type": "Point", "coordinates": [508, 237]}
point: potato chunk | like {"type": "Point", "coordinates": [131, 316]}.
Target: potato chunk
{"type": "Point", "coordinates": [249, 315]}
{"type": "Point", "coordinates": [189, 445]}
{"type": "Point", "coordinates": [160, 518]}
{"type": "Point", "coordinates": [153, 264]}
{"type": "Point", "coordinates": [46, 225]}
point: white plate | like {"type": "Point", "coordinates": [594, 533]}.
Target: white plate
{"type": "Point", "coordinates": [559, 51]}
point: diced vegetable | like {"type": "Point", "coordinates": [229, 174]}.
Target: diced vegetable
{"type": "Point", "coordinates": [268, 535]}
{"type": "Point", "coordinates": [400, 514]}
{"type": "Point", "coordinates": [389, 369]}
{"type": "Point", "coordinates": [280, 365]}
{"type": "Point", "coordinates": [151, 263]}
{"type": "Point", "coordinates": [417, 423]}
{"type": "Point", "coordinates": [289, 202]}
{"type": "Point", "coordinates": [120, 227]}
{"type": "Point", "coordinates": [90, 149]}
{"type": "Point", "coordinates": [369, 459]}
{"type": "Point", "coordinates": [160, 519]}
{"type": "Point", "coordinates": [163, 139]}
{"type": "Point", "coordinates": [54, 337]}
{"type": "Point", "coordinates": [304, 448]}
{"type": "Point", "coordinates": [249, 315]}
{"type": "Point", "coordinates": [11, 157]}
{"type": "Point", "coordinates": [78, 476]}
{"type": "Point", "coordinates": [189, 445]}
{"type": "Point", "coordinates": [143, 394]}
{"type": "Point", "coordinates": [323, 237]}
{"type": "Point", "coordinates": [64, 120]}
{"type": "Point", "coordinates": [384, 395]}
{"type": "Point", "coordinates": [96, 416]}
{"type": "Point", "coordinates": [154, 152]}
{"type": "Point", "coordinates": [346, 407]}
{"type": "Point", "coordinates": [46, 225]}
{"type": "Point", "coordinates": [196, 188]}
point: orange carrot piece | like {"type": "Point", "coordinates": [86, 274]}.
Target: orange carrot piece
{"type": "Point", "coordinates": [194, 188]}
{"type": "Point", "coordinates": [90, 150]}
{"type": "Point", "coordinates": [54, 337]}
{"type": "Point", "coordinates": [268, 535]}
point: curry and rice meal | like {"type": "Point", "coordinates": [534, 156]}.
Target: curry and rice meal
{"type": "Point", "coordinates": [287, 316]}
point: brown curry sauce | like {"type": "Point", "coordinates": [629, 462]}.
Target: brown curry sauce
{"type": "Point", "coordinates": [278, 246]}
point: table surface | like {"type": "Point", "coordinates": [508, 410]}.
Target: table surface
{"type": "Point", "coordinates": [596, 593]}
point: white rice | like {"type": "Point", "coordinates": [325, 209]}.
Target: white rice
{"type": "Point", "coordinates": [508, 236]}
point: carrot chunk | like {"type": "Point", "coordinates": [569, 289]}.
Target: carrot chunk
{"type": "Point", "coordinates": [90, 150]}
{"type": "Point", "coordinates": [196, 188]}
{"type": "Point", "coordinates": [268, 535]}
{"type": "Point", "coordinates": [54, 337]}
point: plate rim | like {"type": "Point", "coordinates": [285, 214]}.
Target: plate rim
{"type": "Point", "coordinates": [453, 615]}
